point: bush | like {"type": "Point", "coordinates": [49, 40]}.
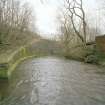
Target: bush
{"type": "Point", "coordinates": [92, 59]}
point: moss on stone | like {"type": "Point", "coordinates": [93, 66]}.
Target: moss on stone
{"type": "Point", "coordinates": [13, 60]}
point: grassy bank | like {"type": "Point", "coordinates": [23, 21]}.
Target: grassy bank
{"type": "Point", "coordinates": [10, 59]}
{"type": "Point", "coordinates": [90, 55]}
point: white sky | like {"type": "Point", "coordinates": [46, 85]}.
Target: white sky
{"type": "Point", "coordinates": [47, 12]}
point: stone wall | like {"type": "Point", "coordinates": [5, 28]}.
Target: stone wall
{"type": "Point", "coordinates": [16, 57]}
{"type": "Point", "coordinates": [100, 43]}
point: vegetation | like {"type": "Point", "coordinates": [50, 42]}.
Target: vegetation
{"type": "Point", "coordinates": [16, 25]}
{"type": "Point", "coordinates": [77, 35]}
{"type": "Point", "coordinates": [18, 40]}
{"type": "Point", "coordinates": [11, 61]}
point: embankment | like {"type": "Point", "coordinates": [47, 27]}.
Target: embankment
{"type": "Point", "coordinates": [12, 60]}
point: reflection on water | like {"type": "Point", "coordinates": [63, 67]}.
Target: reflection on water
{"type": "Point", "coordinates": [54, 81]}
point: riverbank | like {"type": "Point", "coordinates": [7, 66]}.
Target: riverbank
{"type": "Point", "coordinates": [91, 59]}
{"type": "Point", "coordinates": [90, 55]}
{"type": "Point", "coordinates": [10, 59]}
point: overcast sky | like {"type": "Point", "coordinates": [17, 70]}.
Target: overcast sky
{"type": "Point", "coordinates": [47, 12]}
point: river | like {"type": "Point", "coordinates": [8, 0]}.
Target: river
{"type": "Point", "coordinates": [54, 81]}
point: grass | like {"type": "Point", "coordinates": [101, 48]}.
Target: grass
{"type": "Point", "coordinates": [10, 59]}
{"type": "Point", "coordinates": [12, 68]}
{"type": "Point", "coordinates": [101, 58]}
{"type": "Point", "coordinates": [5, 56]}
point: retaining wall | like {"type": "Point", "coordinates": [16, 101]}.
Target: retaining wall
{"type": "Point", "coordinates": [15, 58]}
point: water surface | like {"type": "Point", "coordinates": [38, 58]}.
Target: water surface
{"type": "Point", "coordinates": [54, 81]}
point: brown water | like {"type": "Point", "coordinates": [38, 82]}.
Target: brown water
{"type": "Point", "coordinates": [54, 81]}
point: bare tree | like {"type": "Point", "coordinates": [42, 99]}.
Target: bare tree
{"type": "Point", "coordinates": [67, 33]}
{"type": "Point", "coordinates": [75, 11]}
{"type": "Point", "coordinates": [14, 17]}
